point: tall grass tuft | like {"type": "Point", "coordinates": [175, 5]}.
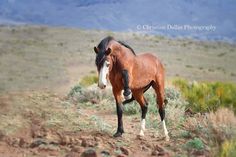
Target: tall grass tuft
{"type": "Point", "coordinates": [88, 80]}
{"type": "Point", "coordinates": [228, 148]}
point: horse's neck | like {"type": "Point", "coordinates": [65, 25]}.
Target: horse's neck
{"type": "Point", "coordinates": [125, 59]}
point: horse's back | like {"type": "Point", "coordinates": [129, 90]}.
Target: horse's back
{"type": "Point", "coordinates": [150, 61]}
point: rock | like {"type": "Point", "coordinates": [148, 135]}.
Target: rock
{"type": "Point", "coordinates": [94, 101]}
{"type": "Point", "coordinates": [37, 143]}
{"type": "Point", "coordinates": [89, 153]}
{"type": "Point", "coordinates": [49, 147]}
{"type": "Point", "coordinates": [163, 154]}
{"type": "Point", "coordinates": [2, 135]}
{"type": "Point", "coordinates": [154, 153]}
{"type": "Point", "coordinates": [84, 143]}
{"type": "Point", "coordinates": [124, 150]}
{"type": "Point", "coordinates": [77, 149]}
{"type": "Point", "coordinates": [23, 143]}
{"type": "Point", "coordinates": [158, 148]}
{"type": "Point", "coordinates": [159, 151]}
{"type": "Point", "coordinates": [198, 152]}
{"type": "Point", "coordinates": [64, 140]}
{"type": "Point", "coordinates": [105, 153]}
{"type": "Point", "coordinates": [72, 154]}
{"type": "Point", "coordinates": [87, 142]}
{"type": "Point", "coordinates": [53, 137]}
{"type": "Point", "coordinates": [144, 148]}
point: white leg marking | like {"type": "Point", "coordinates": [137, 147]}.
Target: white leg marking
{"type": "Point", "coordinates": [165, 130]}
{"type": "Point", "coordinates": [143, 123]}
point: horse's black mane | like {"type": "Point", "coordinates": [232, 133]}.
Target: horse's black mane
{"type": "Point", "coordinates": [127, 46]}
{"type": "Point", "coordinates": [102, 48]}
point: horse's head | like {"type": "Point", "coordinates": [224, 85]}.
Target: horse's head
{"type": "Point", "coordinates": [103, 63]}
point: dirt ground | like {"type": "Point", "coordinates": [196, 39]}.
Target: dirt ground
{"type": "Point", "coordinates": [71, 130]}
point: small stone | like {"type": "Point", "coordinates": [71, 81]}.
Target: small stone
{"type": "Point", "coordinates": [144, 148]}
{"type": "Point", "coordinates": [105, 153]}
{"type": "Point", "coordinates": [84, 143]}
{"type": "Point", "coordinates": [77, 149]}
{"type": "Point", "coordinates": [124, 150]}
{"type": "Point", "coordinates": [37, 143]}
{"type": "Point", "coordinates": [164, 154]}
{"type": "Point", "coordinates": [87, 142]}
{"type": "Point", "coordinates": [89, 153]}
{"type": "Point", "coordinates": [23, 143]}
{"type": "Point", "coordinates": [154, 153]}
{"type": "Point", "coordinates": [159, 149]}
{"type": "Point", "coordinates": [72, 154]}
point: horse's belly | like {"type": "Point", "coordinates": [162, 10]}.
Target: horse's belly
{"type": "Point", "coordinates": [141, 80]}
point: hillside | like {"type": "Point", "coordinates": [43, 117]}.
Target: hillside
{"type": "Point", "coordinates": [124, 15]}
{"type": "Point", "coordinates": [38, 57]}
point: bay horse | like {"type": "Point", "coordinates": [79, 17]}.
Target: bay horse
{"type": "Point", "coordinates": [144, 71]}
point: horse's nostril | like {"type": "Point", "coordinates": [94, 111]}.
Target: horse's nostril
{"type": "Point", "coordinates": [102, 86]}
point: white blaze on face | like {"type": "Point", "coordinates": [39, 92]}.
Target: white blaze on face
{"type": "Point", "coordinates": [102, 82]}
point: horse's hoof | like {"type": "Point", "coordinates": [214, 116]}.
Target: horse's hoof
{"type": "Point", "coordinates": [141, 134]}
{"type": "Point", "coordinates": [127, 94]}
{"type": "Point", "coordinates": [167, 138]}
{"type": "Point", "coordinates": [128, 97]}
{"type": "Point", "coordinates": [117, 134]}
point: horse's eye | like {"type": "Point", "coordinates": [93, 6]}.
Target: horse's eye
{"type": "Point", "coordinates": [107, 63]}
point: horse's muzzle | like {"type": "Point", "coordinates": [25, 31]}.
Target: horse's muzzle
{"type": "Point", "coordinates": [102, 86]}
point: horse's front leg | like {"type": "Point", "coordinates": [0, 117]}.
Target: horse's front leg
{"type": "Point", "coordinates": [119, 111]}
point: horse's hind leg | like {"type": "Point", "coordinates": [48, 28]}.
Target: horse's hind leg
{"type": "Point", "coordinates": [144, 106]}
{"type": "Point", "coordinates": [160, 92]}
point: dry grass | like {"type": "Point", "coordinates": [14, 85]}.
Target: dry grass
{"type": "Point", "coordinates": [36, 57]}
{"type": "Point", "coordinates": [222, 124]}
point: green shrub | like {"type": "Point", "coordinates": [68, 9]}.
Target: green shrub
{"type": "Point", "coordinates": [185, 134]}
{"type": "Point", "coordinates": [204, 97]}
{"type": "Point", "coordinates": [131, 109]}
{"type": "Point", "coordinates": [89, 94]}
{"type": "Point", "coordinates": [88, 80]}
{"type": "Point", "coordinates": [74, 90]}
{"type": "Point", "coordinates": [151, 99]}
{"type": "Point", "coordinates": [196, 143]}
{"type": "Point", "coordinates": [228, 149]}
{"type": "Point", "coordinates": [100, 124]}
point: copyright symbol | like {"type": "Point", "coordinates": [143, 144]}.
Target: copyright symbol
{"type": "Point", "coordinates": [139, 27]}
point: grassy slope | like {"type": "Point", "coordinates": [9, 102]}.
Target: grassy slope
{"type": "Point", "coordinates": [36, 57]}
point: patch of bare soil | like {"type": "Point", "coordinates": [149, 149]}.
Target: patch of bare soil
{"type": "Point", "coordinates": [37, 140]}
{"type": "Point", "coordinates": [52, 126]}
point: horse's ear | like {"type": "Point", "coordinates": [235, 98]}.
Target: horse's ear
{"type": "Point", "coordinates": [95, 49]}
{"type": "Point", "coordinates": [108, 51]}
